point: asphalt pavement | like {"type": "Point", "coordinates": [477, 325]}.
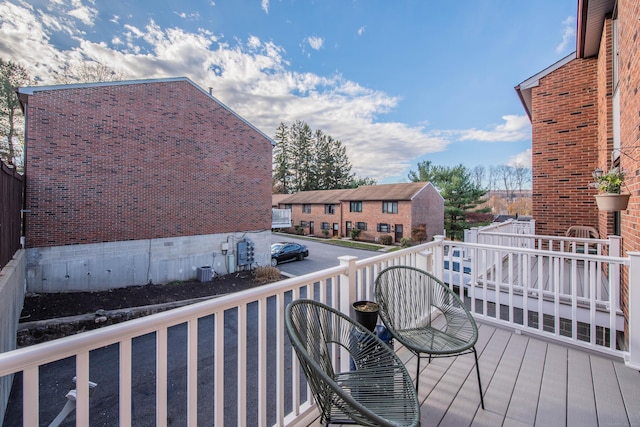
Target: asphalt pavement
{"type": "Point", "coordinates": [321, 255]}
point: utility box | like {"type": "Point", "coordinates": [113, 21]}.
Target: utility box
{"type": "Point", "coordinates": [246, 252]}
{"type": "Point", "coordinates": [205, 273]}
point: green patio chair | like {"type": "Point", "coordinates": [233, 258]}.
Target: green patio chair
{"type": "Point", "coordinates": [377, 389]}
{"type": "Point", "coordinates": [425, 315]}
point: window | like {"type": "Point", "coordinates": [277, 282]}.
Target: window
{"type": "Point", "coordinates": [306, 208]}
{"type": "Point", "coordinates": [356, 207]}
{"type": "Point", "coordinates": [384, 228]}
{"type": "Point", "coordinates": [361, 225]}
{"type": "Point", "coordinates": [390, 207]}
{"type": "Point", "coordinates": [303, 224]}
{"type": "Point", "coordinates": [288, 206]}
{"type": "Point", "coordinates": [349, 226]}
{"type": "Point", "coordinates": [330, 209]}
{"type": "Point", "coordinates": [325, 225]}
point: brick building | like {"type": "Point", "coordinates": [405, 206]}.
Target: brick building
{"type": "Point", "coordinates": [377, 210]}
{"type": "Point", "coordinates": [585, 114]}
{"type": "Point", "coordinates": [137, 182]}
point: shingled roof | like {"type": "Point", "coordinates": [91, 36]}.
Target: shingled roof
{"type": "Point", "coordinates": [404, 191]}
{"type": "Point", "coordinates": [317, 196]}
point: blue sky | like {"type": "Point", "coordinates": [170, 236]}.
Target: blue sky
{"type": "Point", "coordinates": [397, 82]}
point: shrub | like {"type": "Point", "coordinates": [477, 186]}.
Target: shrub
{"type": "Point", "coordinates": [386, 240]}
{"type": "Point", "coordinates": [355, 232]}
{"type": "Point", "coordinates": [267, 274]}
{"type": "Point", "coordinates": [405, 242]}
{"type": "Point", "coordinates": [419, 232]}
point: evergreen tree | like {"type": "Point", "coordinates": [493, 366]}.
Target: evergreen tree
{"type": "Point", "coordinates": [460, 191]}
{"type": "Point", "coordinates": [303, 156]}
{"type": "Point", "coordinates": [359, 182]}
{"type": "Point", "coordinates": [282, 173]}
{"type": "Point", "coordinates": [342, 176]}
{"type": "Point", "coordinates": [310, 160]}
{"type": "Point", "coordinates": [324, 162]}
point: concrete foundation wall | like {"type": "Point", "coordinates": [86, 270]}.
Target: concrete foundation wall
{"type": "Point", "coordinates": [101, 266]}
{"type": "Point", "coordinates": [12, 290]}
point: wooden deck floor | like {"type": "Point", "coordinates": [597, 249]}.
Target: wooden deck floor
{"type": "Point", "coordinates": [527, 381]}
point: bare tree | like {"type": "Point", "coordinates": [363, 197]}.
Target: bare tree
{"type": "Point", "coordinates": [88, 72]}
{"type": "Point", "coordinates": [522, 175]}
{"type": "Point", "coordinates": [492, 178]}
{"type": "Point", "coordinates": [12, 75]}
{"type": "Point", "coordinates": [506, 175]}
{"type": "Point", "coordinates": [478, 176]}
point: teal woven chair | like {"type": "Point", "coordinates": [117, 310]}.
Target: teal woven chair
{"type": "Point", "coordinates": [376, 391]}
{"type": "Point", "coordinates": [425, 315]}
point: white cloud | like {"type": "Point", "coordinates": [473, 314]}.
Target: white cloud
{"type": "Point", "coordinates": [515, 128]}
{"type": "Point", "coordinates": [315, 42]}
{"type": "Point", "coordinates": [568, 33]}
{"type": "Point", "coordinates": [115, 19]}
{"type": "Point", "coordinates": [361, 30]}
{"type": "Point", "coordinates": [521, 159]}
{"type": "Point", "coordinates": [84, 13]}
{"type": "Point", "coordinates": [194, 16]}
{"type": "Point", "coordinates": [265, 6]}
{"type": "Point", "coordinates": [251, 77]}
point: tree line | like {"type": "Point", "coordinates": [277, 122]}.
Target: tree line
{"type": "Point", "coordinates": [304, 160]}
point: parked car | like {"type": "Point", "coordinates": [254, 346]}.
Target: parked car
{"type": "Point", "coordinates": [286, 251]}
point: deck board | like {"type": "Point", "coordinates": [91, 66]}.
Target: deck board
{"type": "Point", "coordinates": [581, 408]}
{"type": "Point", "coordinates": [527, 381]}
{"type": "Point", "coordinates": [552, 399]}
{"type": "Point", "coordinates": [522, 406]}
{"type": "Point", "coordinates": [629, 381]}
{"type": "Point", "coordinates": [609, 403]}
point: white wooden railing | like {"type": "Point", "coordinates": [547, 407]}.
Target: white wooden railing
{"type": "Point", "coordinates": [251, 363]}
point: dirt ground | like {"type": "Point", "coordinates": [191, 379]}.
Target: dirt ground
{"type": "Point", "coordinates": [48, 316]}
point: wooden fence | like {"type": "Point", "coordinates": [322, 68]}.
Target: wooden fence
{"type": "Point", "coordinates": [11, 193]}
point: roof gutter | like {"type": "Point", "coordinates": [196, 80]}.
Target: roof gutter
{"type": "Point", "coordinates": [581, 31]}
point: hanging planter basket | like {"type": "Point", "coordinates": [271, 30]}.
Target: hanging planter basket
{"type": "Point", "coordinates": [612, 202]}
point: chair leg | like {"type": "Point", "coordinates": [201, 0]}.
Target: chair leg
{"type": "Point", "coordinates": [475, 354]}
{"type": "Point", "coordinates": [418, 374]}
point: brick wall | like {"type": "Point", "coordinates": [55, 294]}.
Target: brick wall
{"type": "Point", "coordinates": [428, 208]}
{"type": "Point", "coordinates": [564, 149]}
{"type": "Point", "coordinates": [372, 214]}
{"type": "Point", "coordinates": [629, 75]}
{"type": "Point", "coordinates": [605, 117]}
{"type": "Point", "coordinates": [316, 215]}
{"type": "Point", "coordinates": [139, 161]}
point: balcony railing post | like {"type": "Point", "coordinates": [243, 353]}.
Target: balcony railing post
{"type": "Point", "coordinates": [438, 257]}
{"type": "Point", "coordinates": [633, 358]}
{"type": "Point", "coordinates": [347, 296]}
{"type": "Point", "coordinates": [614, 272]}
{"type": "Point", "coordinates": [348, 291]}
{"type": "Point", "coordinates": [471, 236]}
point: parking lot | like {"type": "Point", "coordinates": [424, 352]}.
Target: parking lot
{"type": "Point", "coordinates": [321, 255]}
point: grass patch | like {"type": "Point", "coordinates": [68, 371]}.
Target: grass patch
{"type": "Point", "coordinates": [338, 242]}
{"type": "Point", "coordinates": [352, 244]}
